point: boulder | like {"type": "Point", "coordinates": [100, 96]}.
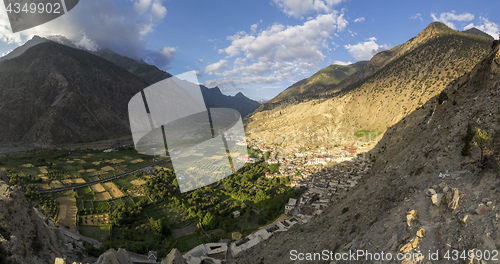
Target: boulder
{"type": "Point", "coordinates": [411, 217]}
{"type": "Point", "coordinates": [453, 197]}
{"type": "Point", "coordinates": [463, 218]}
{"type": "Point", "coordinates": [59, 261]}
{"type": "Point", "coordinates": [436, 199]}
{"type": "Point", "coordinates": [421, 233]}
{"type": "Point", "coordinates": [481, 209]}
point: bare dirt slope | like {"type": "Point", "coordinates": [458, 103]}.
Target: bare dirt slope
{"type": "Point", "coordinates": [392, 85]}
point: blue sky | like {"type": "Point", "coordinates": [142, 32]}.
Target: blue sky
{"type": "Point", "coordinates": [257, 47]}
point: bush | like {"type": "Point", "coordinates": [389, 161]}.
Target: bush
{"type": "Point", "coordinates": [442, 97]}
{"type": "Point", "coordinates": [495, 42]}
{"type": "Point", "coordinates": [469, 135]}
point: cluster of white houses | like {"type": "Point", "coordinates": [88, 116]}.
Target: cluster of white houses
{"type": "Point", "coordinates": [247, 159]}
{"type": "Point", "coordinates": [260, 235]}
{"type": "Point", "coordinates": [324, 184]}
{"type": "Point", "coordinates": [307, 170]}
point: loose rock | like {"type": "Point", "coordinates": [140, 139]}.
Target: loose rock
{"type": "Point", "coordinates": [453, 197]}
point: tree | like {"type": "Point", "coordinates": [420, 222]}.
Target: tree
{"type": "Point", "coordinates": [482, 141]}
{"type": "Point", "coordinates": [442, 97]}
{"type": "Point", "coordinates": [469, 135]}
{"type": "Point", "coordinates": [260, 196]}
{"type": "Point", "coordinates": [208, 221]}
{"type": "Point", "coordinates": [159, 226]}
{"type": "Point", "coordinates": [274, 168]}
{"type": "Point", "coordinates": [175, 183]}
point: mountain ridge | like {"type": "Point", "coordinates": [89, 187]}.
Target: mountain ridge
{"type": "Point", "coordinates": [67, 95]}
{"type": "Point", "coordinates": [391, 85]}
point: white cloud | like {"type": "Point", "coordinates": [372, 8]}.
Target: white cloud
{"type": "Point", "coordinates": [86, 43]}
{"type": "Point", "coordinates": [215, 67]}
{"type": "Point", "coordinates": [98, 24]}
{"type": "Point", "coordinates": [359, 19]}
{"type": "Point", "coordinates": [299, 8]}
{"type": "Point", "coordinates": [365, 50]}
{"type": "Point", "coordinates": [486, 26]}
{"type": "Point", "coordinates": [342, 62]}
{"type": "Point", "coordinates": [282, 43]}
{"type": "Point", "coordinates": [168, 52]}
{"type": "Point", "coordinates": [253, 28]}
{"type": "Point", "coordinates": [142, 6]}
{"type": "Point", "coordinates": [275, 53]}
{"type": "Point", "coordinates": [417, 16]}
{"type": "Point", "coordinates": [448, 17]}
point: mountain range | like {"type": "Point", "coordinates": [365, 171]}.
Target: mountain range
{"type": "Point", "coordinates": [374, 95]}
{"type": "Point", "coordinates": [53, 94]}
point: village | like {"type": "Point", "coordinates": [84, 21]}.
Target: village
{"type": "Point", "coordinates": [325, 173]}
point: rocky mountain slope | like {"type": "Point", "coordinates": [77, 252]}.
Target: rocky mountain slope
{"type": "Point", "coordinates": [422, 194]}
{"type": "Point", "coordinates": [52, 94]}
{"type": "Point", "coordinates": [21, 49]}
{"type": "Point", "coordinates": [390, 86]}
{"type": "Point", "coordinates": [324, 80]}
{"type": "Point", "coordinates": [477, 32]}
{"type": "Point", "coordinates": [25, 238]}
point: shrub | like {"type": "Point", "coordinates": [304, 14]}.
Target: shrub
{"type": "Point", "coordinates": [442, 97]}
{"type": "Point", "coordinates": [469, 135]}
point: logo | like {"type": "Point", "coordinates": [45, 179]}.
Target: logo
{"type": "Point", "coordinates": [171, 117]}
{"type": "Point", "coordinates": [24, 14]}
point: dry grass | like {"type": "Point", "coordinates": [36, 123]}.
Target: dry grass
{"type": "Point", "coordinates": [102, 196]}
{"type": "Point", "coordinates": [138, 182]}
{"type": "Point", "coordinates": [136, 161]}
{"type": "Point", "coordinates": [107, 168]}
{"type": "Point", "coordinates": [95, 220]}
{"type": "Point", "coordinates": [43, 169]}
{"type": "Point", "coordinates": [67, 211]}
{"type": "Point", "coordinates": [56, 184]}
{"type": "Point", "coordinates": [97, 188]}
{"type": "Point", "coordinates": [80, 180]}
{"type": "Point", "coordinates": [67, 181]}
{"type": "Point", "coordinates": [113, 190]}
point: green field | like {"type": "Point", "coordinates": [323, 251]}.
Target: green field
{"type": "Point", "coordinates": [188, 242]}
{"type": "Point", "coordinates": [139, 222]}
{"type": "Point", "coordinates": [98, 233]}
{"type": "Point", "coordinates": [367, 134]}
